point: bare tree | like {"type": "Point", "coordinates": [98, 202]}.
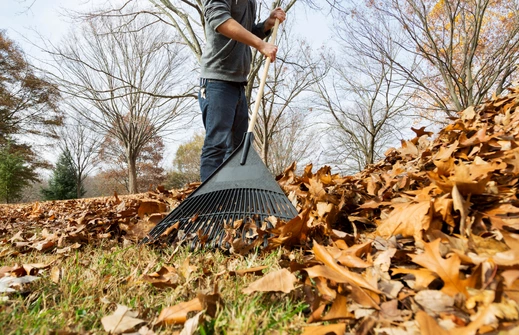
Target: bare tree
{"type": "Point", "coordinates": [457, 53]}
{"type": "Point", "coordinates": [294, 140]}
{"type": "Point", "coordinates": [82, 144]}
{"type": "Point", "coordinates": [122, 76]}
{"type": "Point", "coordinates": [187, 18]}
{"type": "Point", "coordinates": [366, 102]}
{"type": "Point", "coordinates": [148, 166]}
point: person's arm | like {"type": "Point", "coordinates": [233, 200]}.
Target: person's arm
{"type": "Point", "coordinates": [232, 29]}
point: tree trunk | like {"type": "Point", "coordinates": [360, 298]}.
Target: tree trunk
{"type": "Point", "coordinates": [132, 175]}
{"type": "Point", "coordinates": [78, 186]}
{"type": "Point", "coordinates": [264, 146]}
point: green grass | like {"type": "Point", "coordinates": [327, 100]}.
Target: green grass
{"type": "Point", "coordinates": [96, 278]}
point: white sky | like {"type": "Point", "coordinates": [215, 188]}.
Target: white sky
{"type": "Point", "coordinates": [25, 19]}
{"type": "Point", "coordinates": [21, 17]}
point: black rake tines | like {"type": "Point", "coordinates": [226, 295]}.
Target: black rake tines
{"type": "Point", "coordinates": [208, 214]}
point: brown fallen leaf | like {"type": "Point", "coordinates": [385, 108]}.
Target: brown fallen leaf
{"type": "Point", "coordinates": [148, 207]}
{"type": "Point", "coordinates": [186, 269]}
{"type": "Point", "coordinates": [277, 281]}
{"type": "Point", "coordinates": [422, 277]}
{"type": "Point", "coordinates": [463, 207]}
{"type": "Point", "coordinates": [33, 268]}
{"type": "Point", "coordinates": [166, 277]}
{"type": "Point", "coordinates": [503, 215]}
{"type": "Point", "coordinates": [408, 148]}
{"type": "Point", "coordinates": [210, 302]}
{"type": "Point", "coordinates": [337, 329]}
{"type": "Point", "coordinates": [408, 219]}
{"type": "Point", "coordinates": [258, 270]}
{"type": "Point", "coordinates": [429, 326]}
{"type": "Point", "coordinates": [121, 321]}
{"type": "Point", "coordinates": [334, 271]}
{"type": "Point", "coordinates": [178, 314]}
{"type": "Point", "coordinates": [339, 309]}
{"type": "Point", "coordinates": [365, 298]}
{"type": "Point", "coordinates": [447, 269]}
{"type": "Point", "coordinates": [142, 331]}
{"type": "Point", "coordinates": [510, 277]}
{"type": "Point", "coordinates": [13, 271]}
{"type": "Point", "coordinates": [191, 325]}
{"type": "Point", "coordinates": [434, 301]}
{"type": "Point", "coordinates": [469, 179]}
{"type": "Point", "coordinates": [56, 274]}
{"type": "Point", "coordinates": [292, 232]}
{"type": "Point", "coordinates": [352, 261]}
{"type": "Point", "coordinates": [510, 257]}
{"type": "Point", "coordinates": [389, 311]}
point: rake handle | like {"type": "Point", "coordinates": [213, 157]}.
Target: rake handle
{"type": "Point", "coordinates": [249, 136]}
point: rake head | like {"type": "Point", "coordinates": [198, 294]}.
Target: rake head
{"type": "Point", "coordinates": [235, 191]}
{"type": "Point", "coordinates": [203, 218]}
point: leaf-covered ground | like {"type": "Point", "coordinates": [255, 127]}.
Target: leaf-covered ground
{"type": "Point", "coordinates": [424, 242]}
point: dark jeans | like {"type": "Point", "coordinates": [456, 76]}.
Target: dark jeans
{"type": "Point", "coordinates": [225, 116]}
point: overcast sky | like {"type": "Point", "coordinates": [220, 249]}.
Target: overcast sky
{"type": "Point", "coordinates": [20, 17]}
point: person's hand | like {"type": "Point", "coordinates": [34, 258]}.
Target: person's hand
{"type": "Point", "coordinates": [269, 50]}
{"type": "Point", "coordinates": [277, 13]}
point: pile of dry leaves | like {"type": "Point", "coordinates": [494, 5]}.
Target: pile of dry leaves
{"type": "Point", "coordinates": [425, 241]}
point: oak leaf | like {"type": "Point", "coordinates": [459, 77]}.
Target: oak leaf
{"type": "Point", "coordinates": [166, 277]}
{"type": "Point", "coordinates": [277, 281]}
{"type": "Point", "coordinates": [462, 206]}
{"type": "Point", "coordinates": [337, 329]}
{"type": "Point", "coordinates": [513, 161]}
{"type": "Point", "coordinates": [56, 274]}
{"type": "Point", "coordinates": [191, 325]}
{"type": "Point", "coordinates": [503, 215]}
{"type": "Point", "coordinates": [510, 276]}
{"type": "Point", "coordinates": [408, 219]}
{"type": "Point", "coordinates": [258, 270]}
{"type": "Point", "coordinates": [509, 257]}
{"type": "Point", "coordinates": [444, 154]}
{"type": "Point", "coordinates": [479, 137]}
{"type": "Point", "coordinates": [340, 273]}
{"type": "Point", "coordinates": [423, 277]}
{"type": "Point", "coordinates": [434, 301]}
{"type": "Point", "coordinates": [178, 314]}
{"type": "Point", "coordinates": [148, 207]}
{"type": "Point", "coordinates": [429, 326]}
{"type": "Point", "coordinates": [408, 148]}
{"type": "Point", "coordinates": [121, 321]}
{"type": "Point", "coordinates": [447, 269]}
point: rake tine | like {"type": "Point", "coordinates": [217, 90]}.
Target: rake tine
{"type": "Point", "coordinates": [192, 225]}
{"type": "Point", "coordinates": [227, 203]}
{"type": "Point", "coordinates": [224, 217]}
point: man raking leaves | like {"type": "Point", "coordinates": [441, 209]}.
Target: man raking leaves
{"type": "Point", "coordinates": [237, 190]}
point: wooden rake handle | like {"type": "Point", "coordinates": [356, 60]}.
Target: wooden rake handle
{"type": "Point", "coordinates": [249, 136]}
{"type": "Point", "coordinates": [254, 116]}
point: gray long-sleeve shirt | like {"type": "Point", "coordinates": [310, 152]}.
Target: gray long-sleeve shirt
{"type": "Point", "coordinates": [224, 58]}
